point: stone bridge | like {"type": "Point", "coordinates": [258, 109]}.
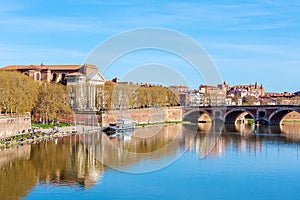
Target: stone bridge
{"type": "Point", "coordinates": [268, 114]}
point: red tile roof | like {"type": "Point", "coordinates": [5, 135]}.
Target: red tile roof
{"type": "Point", "coordinates": [75, 74]}
{"type": "Point", "coordinates": [63, 67]}
{"type": "Point", "coordinates": [42, 67]}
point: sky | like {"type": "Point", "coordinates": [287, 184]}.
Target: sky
{"type": "Point", "coordinates": [248, 41]}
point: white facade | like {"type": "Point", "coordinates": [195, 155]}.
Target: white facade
{"type": "Point", "coordinates": [83, 90]}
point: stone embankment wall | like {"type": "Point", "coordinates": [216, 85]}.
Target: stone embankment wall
{"type": "Point", "coordinates": [14, 124]}
{"type": "Point", "coordinates": [143, 116]}
{"type": "Point", "coordinates": [292, 116]}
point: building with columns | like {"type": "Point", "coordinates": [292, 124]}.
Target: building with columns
{"type": "Point", "coordinates": [84, 89]}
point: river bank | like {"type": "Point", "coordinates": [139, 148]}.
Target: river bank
{"type": "Point", "coordinates": [160, 123]}
{"type": "Point", "coordinates": [36, 135]}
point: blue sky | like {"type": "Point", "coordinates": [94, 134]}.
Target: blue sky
{"type": "Point", "coordinates": [247, 40]}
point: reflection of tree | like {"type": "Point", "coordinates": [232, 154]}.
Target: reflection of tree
{"type": "Point", "coordinates": [65, 163]}
{"type": "Point", "coordinates": [155, 143]}
{"type": "Point", "coordinates": [73, 162]}
{"type": "Point", "coordinates": [77, 162]}
{"type": "Point", "coordinates": [17, 174]}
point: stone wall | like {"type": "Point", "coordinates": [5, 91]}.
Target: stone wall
{"type": "Point", "coordinates": [143, 116]}
{"type": "Point", "coordinates": [292, 116]}
{"type": "Point", "coordinates": [11, 125]}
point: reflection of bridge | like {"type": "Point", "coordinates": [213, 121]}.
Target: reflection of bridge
{"type": "Point", "coordinates": [269, 114]}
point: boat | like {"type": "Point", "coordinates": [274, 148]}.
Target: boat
{"type": "Point", "coordinates": [125, 126]}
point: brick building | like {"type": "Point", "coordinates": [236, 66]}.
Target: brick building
{"type": "Point", "coordinates": [51, 73]}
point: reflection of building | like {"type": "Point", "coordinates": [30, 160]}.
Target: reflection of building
{"type": "Point", "coordinates": [65, 162]}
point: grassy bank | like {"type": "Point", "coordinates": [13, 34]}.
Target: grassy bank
{"type": "Point", "coordinates": [47, 126]}
{"type": "Point", "coordinates": [290, 120]}
{"type": "Point", "coordinates": [32, 137]}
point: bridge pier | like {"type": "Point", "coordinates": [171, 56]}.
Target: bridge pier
{"type": "Point", "coordinates": [262, 122]}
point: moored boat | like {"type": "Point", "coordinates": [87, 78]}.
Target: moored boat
{"type": "Point", "coordinates": [121, 126]}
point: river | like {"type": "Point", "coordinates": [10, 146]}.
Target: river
{"type": "Point", "coordinates": [201, 161]}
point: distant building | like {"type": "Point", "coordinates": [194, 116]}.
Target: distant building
{"type": "Point", "coordinates": [81, 80]}
{"type": "Point", "coordinates": [247, 90]}
{"type": "Point", "coordinates": [183, 93]}
{"type": "Point", "coordinates": [273, 98]}
{"type": "Point", "coordinates": [51, 73]}
{"type": "Point", "coordinates": [184, 99]}
{"type": "Point", "coordinates": [272, 94]}
{"type": "Point", "coordinates": [215, 95]}
{"type": "Point", "coordinates": [180, 89]}
{"type": "Point", "coordinates": [197, 98]}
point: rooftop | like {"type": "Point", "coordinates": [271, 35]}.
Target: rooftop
{"type": "Point", "coordinates": [45, 67]}
{"type": "Point", "coordinates": [75, 74]}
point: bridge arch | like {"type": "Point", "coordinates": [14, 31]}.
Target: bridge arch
{"type": "Point", "coordinates": [232, 116]}
{"type": "Point", "coordinates": [277, 116]}
{"type": "Point", "coordinates": [194, 115]}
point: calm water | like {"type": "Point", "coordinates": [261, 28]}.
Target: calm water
{"type": "Point", "coordinates": [194, 162]}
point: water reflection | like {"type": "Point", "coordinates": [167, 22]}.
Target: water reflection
{"type": "Point", "coordinates": [80, 161]}
{"type": "Point", "coordinates": [158, 146]}
{"type": "Point", "coordinates": [243, 137]}
{"type": "Point", "coordinates": [65, 162]}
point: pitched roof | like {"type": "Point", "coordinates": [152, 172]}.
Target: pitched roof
{"type": "Point", "coordinates": [14, 67]}
{"type": "Point", "coordinates": [94, 74]}
{"type": "Point", "coordinates": [63, 67]}
{"type": "Point", "coordinates": [40, 67]}
{"type": "Point", "coordinates": [75, 74]}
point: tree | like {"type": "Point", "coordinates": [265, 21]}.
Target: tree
{"type": "Point", "coordinates": [134, 96]}
{"type": "Point", "coordinates": [18, 92]}
{"type": "Point", "coordinates": [52, 102]}
{"type": "Point", "coordinates": [249, 100]}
